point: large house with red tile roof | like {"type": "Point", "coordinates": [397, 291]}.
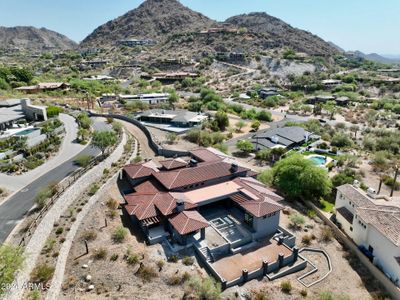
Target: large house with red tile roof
{"type": "Point", "coordinates": [207, 201]}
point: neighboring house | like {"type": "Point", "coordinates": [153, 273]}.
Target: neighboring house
{"type": "Point", "coordinates": [151, 99]}
{"type": "Point", "coordinates": [373, 223]}
{"type": "Point", "coordinates": [265, 93]}
{"type": "Point", "coordinates": [135, 42]}
{"type": "Point", "coordinates": [214, 205]}
{"type": "Point", "coordinates": [331, 83]}
{"type": "Point", "coordinates": [98, 78]}
{"type": "Point", "coordinates": [14, 110]}
{"type": "Point", "coordinates": [284, 137]}
{"type": "Point", "coordinates": [175, 118]}
{"type": "Point", "coordinates": [173, 76]}
{"type": "Point", "coordinates": [44, 87]}
{"type": "Point", "coordinates": [341, 101]}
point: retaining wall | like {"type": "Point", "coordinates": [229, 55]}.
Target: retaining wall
{"type": "Point", "coordinates": [159, 150]}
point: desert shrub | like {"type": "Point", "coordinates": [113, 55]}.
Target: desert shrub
{"type": "Point", "coordinates": [173, 258]}
{"type": "Point", "coordinates": [41, 197]}
{"type": "Point", "coordinates": [174, 280]}
{"type": "Point", "coordinates": [132, 259]}
{"type": "Point", "coordinates": [112, 203]}
{"type": "Point", "coordinates": [326, 296]}
{"type": "Point", "coordinates": [100, 253]}
{"type": "Point", "coordinates": [202, 288]}
{"type": "Point", "coordinates": [160, 264]}
{"type": "Point", "coordinates": [306, 239]}
{"type": "Point", "coordinates": [114, 257]}
{"type": "Point", "coordinates": [303, 292]}
{"type": "Point", "coordinates": [147, 273]}
{"type": "Point", "coordinates": [188, 261]}
{"type": "Point", "coordinates": [297, 220]}
{"type": "Point", "coordinates": [42, 273]}
{"type": "Point", "coordinates": [89, 235]}
{"type": "Point", "coordinates": [59, 230]}
{"type": "Point", "coordinates": [326, 234]}
{"type": "Point", "coordinates": [93, 189]}
{"type": "Point", "coordinates": [119, 234]}
{"type": "Point", "coordinates": [11, 260]}
{"type": "Point", "coordinates": [286, 286]}
{"type": "Point", "coordinates": [83, 160]}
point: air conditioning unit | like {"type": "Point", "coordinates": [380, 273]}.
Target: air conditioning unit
{"type": "Point", "coordinates": [275, 139]}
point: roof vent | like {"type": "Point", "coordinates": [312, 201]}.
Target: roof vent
{"type": "Point", "coordinates": [234, 167]}
{"type": "Point", "coordinates": [275, 139]}
{"type": "Point", "coordinates": [193, 163]}
{"type": "Point", "coordinates": [371, 192]}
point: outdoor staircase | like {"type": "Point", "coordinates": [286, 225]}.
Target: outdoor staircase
{"type": "Point", "coordinates": [207, 254]}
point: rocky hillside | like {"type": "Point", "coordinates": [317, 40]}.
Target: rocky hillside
{"type": "Point", "coordinates": [282, 33]}
{"type": "Point", "coordinates": [31, 38]}
{"type": "Point", "coordinates": [153, 19]}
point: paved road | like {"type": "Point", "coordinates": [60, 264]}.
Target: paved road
{"type": "Point", "coordinates": [16, 208]}
{"type": "Point", "coordinates": [69, 148]}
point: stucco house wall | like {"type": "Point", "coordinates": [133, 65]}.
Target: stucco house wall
{"type": "Point", "coordinates": [265, 226]}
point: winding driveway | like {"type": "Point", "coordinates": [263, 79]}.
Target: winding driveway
{"type": "Point", "coordinates": [18, 205]}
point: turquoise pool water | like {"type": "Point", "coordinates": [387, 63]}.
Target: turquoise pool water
{"type": "Point", "coordinates": [318, 160]}
{"type": "Point", "coordinates": [26, 132]}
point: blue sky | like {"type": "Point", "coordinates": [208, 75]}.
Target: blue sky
{"type": "Point", "coordinates": [366, 25]}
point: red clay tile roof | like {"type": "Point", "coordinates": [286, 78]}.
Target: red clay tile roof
{"type": "Point", "coordinates": [256, 208]}
{"type": "Point", "coordinates": [258, 188]}
{"type": "Point", "coordinates": [140, 170]}
{"type": "Point", "coordinates": [188, 221]}
{"type": "Point", "coordinates": [205, 155]}
{"type": "Point", "coordinates": [150, 186]}
{"type": "Point", "coordinates": [189, 176]}
{"type": "Point", "coordinates": [171, 164]}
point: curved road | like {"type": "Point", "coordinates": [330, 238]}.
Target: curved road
{"type": "Point", "coordinates": [16, 208]}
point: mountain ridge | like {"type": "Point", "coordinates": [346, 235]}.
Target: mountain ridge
{"type": "Point", "coordinates": [158, 19]}
{"type": "Point", "coordinates": [32, 38]}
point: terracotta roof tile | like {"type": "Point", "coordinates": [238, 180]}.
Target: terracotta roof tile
{"type": "Point", "coordinates": [171, 164]}
{"type": "Point", "coordinates": [141, 170]}
{"type": "Point", "coordinates": [205, 155]}
{"type": "Point", "coordinates": [188, 221]}
{"type": "Point", "coordinates": [189, 176]}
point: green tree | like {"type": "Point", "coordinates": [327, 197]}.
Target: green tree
{"type": "Point", "coordinates": [171, 137]}
{"type": "Point", "coordinates": [245, 146]}
{"type": "Point", "coordinates": [11, 260]}
{"type": "Point", "coordinates": [83, 134]}
{"type": "Point", "coordinates": [298, 177]}
{"type": "Point", "coordinates": [341, 140]}
{"type": "Point", "coordinates": [239, 125]}
{"type": "Point", "coordinates": [255, 125]}
{"type": "Point", "coordinates": [221, 119]}
{"type": "Point", "coordinates": [104, 140]}
{"type": "Point", "coordinates": [331, 108]}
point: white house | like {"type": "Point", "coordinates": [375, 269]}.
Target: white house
{"type": "Point", "coordinates": [151, 99]}
{"type": "Point", "coordinates": [373, 222]}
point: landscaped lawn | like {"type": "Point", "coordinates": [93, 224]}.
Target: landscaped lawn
{"type": "Point", "coordinates": [326, 206]}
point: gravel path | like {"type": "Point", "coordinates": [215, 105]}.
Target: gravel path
{"type": "Point", "coordinates": [56, 283]}
{"type": "Point", "coordinates": [43, 230]}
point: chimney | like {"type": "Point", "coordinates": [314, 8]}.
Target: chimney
{"type": "Point", "coordinates": [180, 205]}
{"type": "Point", "coordinates": [234, 167]}
{"type": "Point", "coordinates": [193, 163]}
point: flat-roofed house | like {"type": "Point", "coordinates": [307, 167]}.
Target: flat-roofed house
{"type": "Point", "coordinates": [14, 110]}
{"type": "Point", "coordinates": [150, 99]}
{"type": "Point", "coordinates": [176, 118]}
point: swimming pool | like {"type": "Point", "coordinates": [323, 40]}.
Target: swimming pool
{"type": "Point", "coordinates": [26, 132]}
{"type": "Point", "coordinates": [318, 160]}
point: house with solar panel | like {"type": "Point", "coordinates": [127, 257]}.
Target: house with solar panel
{"type": "Point", "coordinates": [219, 208]}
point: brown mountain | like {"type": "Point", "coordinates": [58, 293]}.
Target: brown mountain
{"type": "Point", "coordinates": [153, 19]}
{"type": "Point", "coordinates": [282, 33]}
{"type": "Point", "coordinates": [31, 38]}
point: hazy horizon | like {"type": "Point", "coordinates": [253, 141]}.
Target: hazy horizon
{"type": "Point", "coordinates": [342, 22]}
